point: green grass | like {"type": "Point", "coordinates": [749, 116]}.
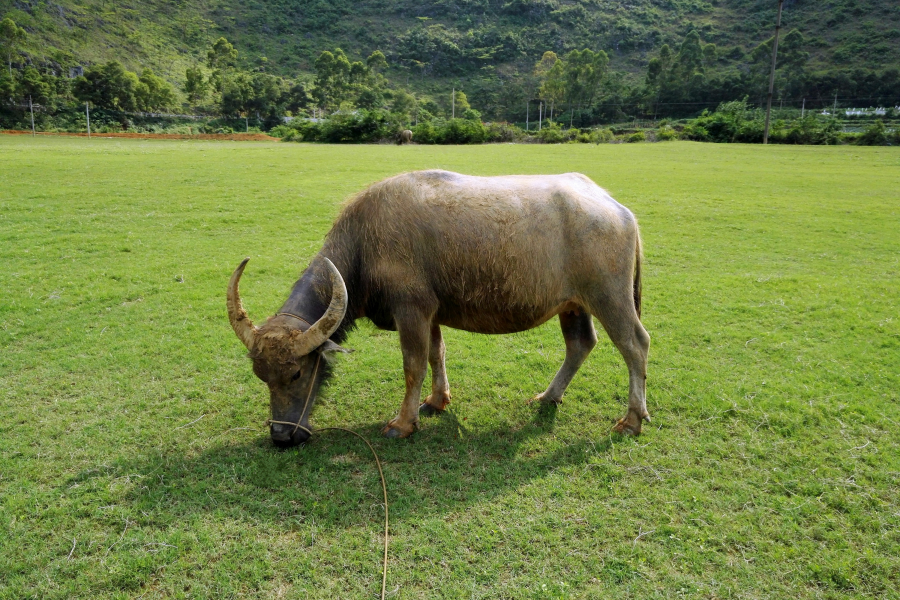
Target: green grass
{"type": "Point", "coordinates": [133, 461]}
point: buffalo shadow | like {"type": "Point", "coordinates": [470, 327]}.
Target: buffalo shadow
{"type": "Point", "coordinates": [332, 480]}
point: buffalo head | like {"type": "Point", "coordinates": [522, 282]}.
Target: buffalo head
{"type": "Point", "coordinates": [288, 355]}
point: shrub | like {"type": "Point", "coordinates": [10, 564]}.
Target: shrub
{"type": "Point", "coordinates": [553, 134]}
{"type": "Point", "coordinates": [280, 131]}
{"type": "Point", "coordinates": [425, 133]}
{"type": "Point", "coordinates": [636, 137]}
{"type": "Point", "coordinates": [813, 130]}
{"type": "Point", "coordinates": [454, 131]}
{"type": "Point", "coordinates": [601, 136]}
{"type": "Point", "coordinates": [503, 132]}
{"type": "Point", "coordinates": [356, 127]}
{"type": "Point", "coordinates": [696, 132]}
{"type": "Point", "coordinates": [666, 133]}
{"type": "Point", "coordinates": [462, 131]}
{"type": "Point", "coordinates": [874, 135]}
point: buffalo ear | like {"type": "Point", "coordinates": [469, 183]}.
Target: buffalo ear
{"type": "Point", "coordinates": [329, 349]}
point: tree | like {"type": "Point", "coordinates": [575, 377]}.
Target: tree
{"type": "Point", "coordinates": [12, 37]}
{"type": "Point", "coordinates": [268, 95]}
{"type": "Point", "coordinates": [7, 87]}
{"type": "Point", "coordinates": [553, 87]}
{"type": "Point", "coordinates": [221, 55]}
{"type": "Point", "coordinates": [675, 79]}
{"type": "Point", "coordinates": [461, 103]}
{"type": "Point", "coordinates": [298, 98]}
{"type": "Point", "coordinates": [221, 58]}
{"type": "Point", "coordinates": [194, 85]}
{"type": "Point", "coordinates": [583, 72]}
{"type": "Point", "coordinates": [33, 85]}
{"type": "Point", "coordinates": [332, 78]}
{"type": "Point", "coordinates": [790, 67]}
{"type": "Point", "coordinates": [376, 62]}
{"type": "Point", "coordinates": [544, 65]}
{"type": "Point", "coordinates": [108, 86]}
{"type": "Point", "coordinates": [237, 94]}
{"type": "Point", "coordinates": [259, 93]}
{"type": "Point", "coordinates": [153, 92]}
{"type": "Point", "coordinates": [404, 104]}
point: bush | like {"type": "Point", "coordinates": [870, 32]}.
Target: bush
{"type": "Point", "coordinates": [280, 131]}
{"type": "Point", "coordinates": [874, 135]}
{"type": "Point", "coordinates": [666, 133]}
{"type": "Point", "coordinates": [454, 131]}
{"type": "Point", "coordinates": [553, 134]}
{"type": "Point", "coordinates": [462, 131]}
{"type": "Point", "coordinates": [736, 122]}
{"type": "Point", "coordinates": [601, 136]}
{"type": "Point", "coordinates": [425, 133]}
{"type": "Point", "coordinates": [636, 137]}
{"type": "Point", "coordinates": [696, 132]}
{"type": "Point", "coordinates": [503, 132]}
{"type": "Point", "coordinates": [812, 130]}
{"type": "Point", "coordinates": [357, 127]}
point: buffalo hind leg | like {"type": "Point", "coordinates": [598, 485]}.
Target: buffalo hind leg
{"type": "Point", "coordinates": [415, 337]}
{"type": "Point", "coordinates": [440, 387]}
{"type": "Point", "coordinates": [620, 320]}
{"type": "Point", "coordinates": [578, 331]}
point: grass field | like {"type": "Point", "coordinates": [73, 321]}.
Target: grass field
{"type": "Point", "coordinates": [134, 463]}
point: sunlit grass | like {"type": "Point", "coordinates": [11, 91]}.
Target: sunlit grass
{"type": "Point", "coordinates": [133, 459]}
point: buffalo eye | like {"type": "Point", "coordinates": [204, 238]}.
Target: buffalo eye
{"type": "Point", "coordinates": [296, 376]}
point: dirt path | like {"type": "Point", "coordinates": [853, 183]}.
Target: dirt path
{"type": "Point", "coordinates": [242, 137]}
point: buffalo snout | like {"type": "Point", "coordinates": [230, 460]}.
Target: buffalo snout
{"type": "Point", "coordinates": [287, 436]}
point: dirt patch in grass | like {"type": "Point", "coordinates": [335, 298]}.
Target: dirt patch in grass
{"type": "Point", "coordinates": [245, 137]}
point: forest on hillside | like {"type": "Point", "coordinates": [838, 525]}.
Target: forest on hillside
{"type": "Point", "coordinates": [579, 63]}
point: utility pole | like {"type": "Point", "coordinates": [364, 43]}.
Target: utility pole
{"type": "Point", "coordinates": [453, 105]}
{"type": "Point", "coordinates": [772, 73]}
{"type": "Point", "coordinates": [527, 106]}
{"type": "Point", "coordinates": [31, 106]}
{"type": "Point", "coordinates": [803, 109]}
{"type": "Point", "coordinates": [540, 114]}
{"type": "Point", "coordinates": [834, 112]}
{"type": "Point", "coordinates": [87, 112]}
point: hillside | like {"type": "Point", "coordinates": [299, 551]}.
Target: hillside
{"type": "Point", "coordinates": [704, 52]}
{"type": "Point", "coordinates": [445, 38]}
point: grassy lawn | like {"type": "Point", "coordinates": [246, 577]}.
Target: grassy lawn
{"type": "Point", "coordinates": [134, 463]}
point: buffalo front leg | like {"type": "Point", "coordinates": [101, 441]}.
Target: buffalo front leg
{"type": "Point", "coordinates": [580, 335]}
{"type": "Point", "coordinates": [415, 337]}
{"type": "Point", "coordinates": [440, 387]}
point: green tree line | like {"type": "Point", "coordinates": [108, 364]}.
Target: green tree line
{"type": "Point", "coordinates": [577, 88]}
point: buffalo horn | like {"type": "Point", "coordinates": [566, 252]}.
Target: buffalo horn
{"type": "Point", "coordinates": [240, 322]}
{"type": "Point", "coordinates": [322, 329]}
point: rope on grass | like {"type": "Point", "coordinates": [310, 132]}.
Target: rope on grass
{"type": "Point", "coordinates": [309, 432]}
{"type": "Point", "coordinates": [383, 487]}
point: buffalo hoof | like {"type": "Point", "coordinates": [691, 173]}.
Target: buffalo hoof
{"type": "Point", "coordinates": [427, 410]}
{"type": "Point", "coordinates": [434, 404]}
{"type": "Point", "coordinates": [393, 431]}
{"type": "Point", "coordinates": [630, 424]}
{"type": "Point", "coordinates": [543, 398]}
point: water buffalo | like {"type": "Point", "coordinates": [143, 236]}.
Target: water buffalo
{"type": "Point", "coordinates": [405, 137]}
{"type": "Point", "coordinates": [483, 254]}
